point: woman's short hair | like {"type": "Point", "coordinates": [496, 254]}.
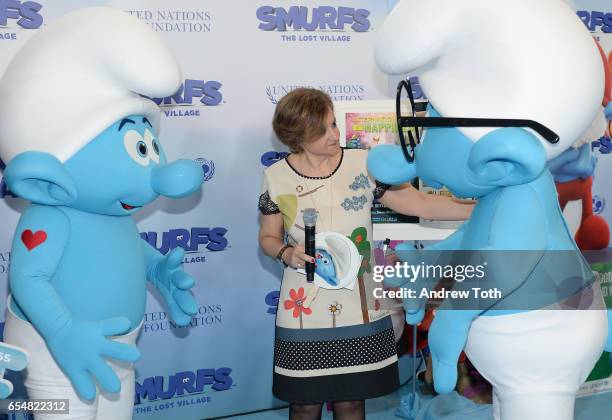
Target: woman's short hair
{"type": "Point", "coordinates": [300, 116]}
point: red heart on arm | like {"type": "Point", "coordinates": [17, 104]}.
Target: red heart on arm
{"type": "Point", "coordinates": [32, 240]}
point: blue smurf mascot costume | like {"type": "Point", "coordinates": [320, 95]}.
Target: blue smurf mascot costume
{"type": "Point", "coordinates": [502, 60]}
{"type": "Point", "coordinates": [79, 137]}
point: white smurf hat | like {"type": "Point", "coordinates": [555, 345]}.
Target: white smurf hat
{"type": "Point", "coordinates": [345, 256]}
{"type": "Point", "coordinates": [78, 76]}
{"type": "Point", "coordinates": [498, 59]}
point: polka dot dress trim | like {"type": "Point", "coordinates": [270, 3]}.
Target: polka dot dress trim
{"type": "Point", "coordinates": [330, 354]}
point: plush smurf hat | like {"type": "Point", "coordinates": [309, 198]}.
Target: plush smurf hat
{"type": "Point", "coordinates": [345, 257]}
{"type": "Point", "coordinates": [78, 76]}
{"type": "Point", "coordinates": [498, 59]}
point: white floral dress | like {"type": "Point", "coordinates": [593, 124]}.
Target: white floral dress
{"type": "Point", "coordinates": [342, 346]}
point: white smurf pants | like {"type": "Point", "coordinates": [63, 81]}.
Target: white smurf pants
{"type": "Point", "coordinates": [44, 379]}
{"type": "Point", "coordinates": [537, 360]}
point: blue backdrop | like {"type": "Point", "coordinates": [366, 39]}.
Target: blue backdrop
{"type": "Point", "coordinates": [238, 59]}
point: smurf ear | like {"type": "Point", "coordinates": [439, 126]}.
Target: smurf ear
{"type": "Point", "coordinates": [40, 178]}
{"type": "Point", "coordinates": [387, 164]}
{"type": "Point", "coordinates": [505, 157]}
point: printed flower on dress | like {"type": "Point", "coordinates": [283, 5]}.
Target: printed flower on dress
{"type": "Point", "coordinates": [355, 204]}
{"type": "Point", "coordinates": [361, 181]}
{"type": "Point", "coordinates": [297, 303]}
{"type": "Point", "coordinates": [335, 308]}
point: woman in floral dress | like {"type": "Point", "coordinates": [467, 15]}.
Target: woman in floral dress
{"type": "Point", "coordinates": [338, 346]}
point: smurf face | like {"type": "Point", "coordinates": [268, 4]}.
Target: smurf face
{"type": "Point", "coordinates": [139, 142]}
{"type": "Point", "coordinates": [113, 172]}
{"type": "Point", "coordinates": [446, 157]}
{"type": "Point", "coordinates": [325, 267]}
{"type": "Point", "coordinates": [125, 167]}
{"type": "Point", "coordinates": [441, 160]}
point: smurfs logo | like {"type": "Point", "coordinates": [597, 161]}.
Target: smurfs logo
{"type": "Point", "coordinates": [338, 92]}
{"type": "Point", "coordinates": [181, 384]}
{"type": "Point", "coordinates": [212, 239]}
{"type": "Point", "coordinates": [15, 14]}
{"type": "Point", "coordinates": [417, 92]}
{"type": "Point", "coordinates": [4, 191]}
{"type": "Point", "coordinates": [599, 204]}
{"type": "Point", "coordinates": [272, 299]}
{"type": "Point", "coordinates": [603, 145]}
{"type": "Point", "coordinates": [208, 167]}
{"type": "Point", "coordinates": [24, 14]}
{"type": "Point", "coordinates": [319, 19]}
{"type": "Point", "coordinates": [192, 93]}
{"type": "Point", "coordinates": [271, 157]}
{"type": "Point", "coordinates": [596, 21]}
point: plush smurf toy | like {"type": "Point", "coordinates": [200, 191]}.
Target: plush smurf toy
{"type": "Point", "coordinates": [504, 61]}
{"type": "Point", "coordinates": [79, 138]}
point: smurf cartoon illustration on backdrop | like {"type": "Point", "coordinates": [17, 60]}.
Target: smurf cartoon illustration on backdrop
{"type": "Point", "coordinates": [573, 171]}
{"type": "Point", "coordinates": [79, 137]}
{"type": "Point", "coordinates": [491, 70]}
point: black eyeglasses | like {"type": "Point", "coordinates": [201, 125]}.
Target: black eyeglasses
{"type": "Point", "coordinates": [416, 124]}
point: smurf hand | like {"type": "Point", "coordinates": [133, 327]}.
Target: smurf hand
{"type": "Point", "coordinates": [174, 284]}
{"type": "Point", "coordinates": [404, 252]}
{"type": "Point", "coordinates": [78, 348]}
{"type": "Point", "coordinates": [414, 306]}
{"type": "Point", "coordinates": [386, 163]}
{"type": "Point", "coordinates": [447, 337]}
{"type": "Point", "coordinates": [413, 315]}
{"type": "Point", "coordinates": [13, 358]}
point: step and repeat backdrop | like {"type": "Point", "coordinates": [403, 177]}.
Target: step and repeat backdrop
{"type": "Point", "coordinates": [238, 59]}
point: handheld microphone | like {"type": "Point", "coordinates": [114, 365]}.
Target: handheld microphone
{"type": "Point", "coordinates": [310, 218]}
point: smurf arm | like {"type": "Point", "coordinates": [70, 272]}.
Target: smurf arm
{"type": "Point", "coordinates": [38, 246]}
{"type": "Point", "coordinates": [453, 241]}
{"type": "Point", "coordinates": [414, 308]}
{"type": "Point", "coordinates": [514, 227]}
{"type": "Point", "coordinates": [77, 345]}
{"type": "Point", "coordinates": [168, 277]}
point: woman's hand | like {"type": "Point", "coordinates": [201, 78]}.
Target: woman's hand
{"type": "Point", "coordinates": [296, 257]}
{"type": "Point", "coordinates": [408, 200]}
